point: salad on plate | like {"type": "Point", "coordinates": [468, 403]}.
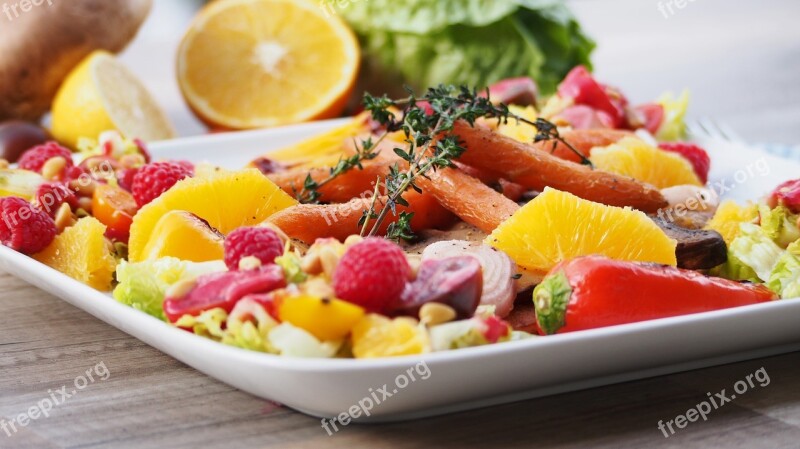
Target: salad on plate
{"type": "Point", "coordinates": [436, 221]}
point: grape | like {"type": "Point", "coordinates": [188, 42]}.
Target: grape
{"type": "Point", "coordinates": [17, 136]}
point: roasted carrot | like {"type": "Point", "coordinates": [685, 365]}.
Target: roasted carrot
{"type": "Point", "coordinates": [582, 140]}
{"type": "Point", "coordinates": [308, 222]}
{"type": "Point", "coordinates": [537, 169]}
{"type": "Point", "coordinates": [343, 188]}
{"type": "Point", "coordinates": [469, 198]}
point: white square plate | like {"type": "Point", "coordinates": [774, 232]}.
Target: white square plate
{"type": "Point", "coordinates": [467, 378]}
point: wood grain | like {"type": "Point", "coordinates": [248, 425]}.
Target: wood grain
{"type": "Point", "coordinates": [742, 63]}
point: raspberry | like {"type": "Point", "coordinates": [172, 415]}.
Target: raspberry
{"type": "Point", "coordinates": [51, 195]}
{"type": "Point", "coordinates": [25, 228]}
{"type": "Point", "coordinates": [372, 274]}
{"type": "Point", "coordinates": [692, 153]}
{"type": "Point", "coordinates": [261, 243]}
{"type": "Point", "coordinates": [35, 158]}
{"type": "Point", "coordinates": [154, 179]}
{"type": "Point", "coordinates": [787, 194]}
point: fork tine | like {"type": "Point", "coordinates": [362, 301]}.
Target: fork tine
{"type": "Point", "coordinates": [696, 130]}
{"type": "Point", "coordinates": [729, 133]}
{"type": "Point", "coordinates": [711, 129]}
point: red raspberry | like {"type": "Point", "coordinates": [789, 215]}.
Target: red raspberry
{"type": "Point", "coordinates": [787, 194]}
{"type": "Point", "coordinates": [25, 228]}
{"type": "Point", "coordinates": [35, 158]}
{"type": "Point", "coordinates": [261, 243]}
{"type": "Point", "coordinates": [697, 156]}
{"type": "Point", "coordinates": [372, 274]}
{"type": "Point", "coordinates": [154, 179]}
{"type": "Point", "coordinates": [51, 195]}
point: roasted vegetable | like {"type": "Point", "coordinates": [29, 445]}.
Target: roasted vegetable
{"type": "Point", "coordinates": [537, 169]}
{"type": "Point", "coordinates": [592, 292]}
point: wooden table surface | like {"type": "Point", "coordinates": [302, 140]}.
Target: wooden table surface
{"type": "Point", "coordinates": [742, 61]}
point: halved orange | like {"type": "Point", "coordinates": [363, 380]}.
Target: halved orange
{"type": "Point", "coordinates": [259, 63]}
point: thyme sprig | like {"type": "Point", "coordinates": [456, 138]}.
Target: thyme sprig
{"type": "Point", "coordinates": [427, 123]}
{"type": "Point", "coordinates": [310, 194]}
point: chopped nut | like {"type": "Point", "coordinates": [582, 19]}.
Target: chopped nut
{"type": "Point", "coordinates": [84, 186]}
{"type": "Point", "coordinates": [434, 313]}
{"type": "Point", "coordinates": [52, 169]}
{"type": "Point", "coordinates": [181, 288]}
{"type": "Point", "coordinates": [4, 164]}
{"type": "Point", "coordinates": [311, 263]}
{"type": "Point", "coordinates": [329, 258]}
{"type": "Point", "coordinates": [249, 263]}
{"type": "Point", "coordinates": [85, 204]}
{"type": "Point", "coordinates": [353, 240]}
{"type": "Point", "coordinates": [319, 288]}
{"type": "Point", "coordinates": [64, 218]}
{"type": "Point", "coordinates": [132, 161]}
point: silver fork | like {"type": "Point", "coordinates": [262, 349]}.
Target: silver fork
{"type": "Point", "coordinates": [714, 130]}
{"type": "Point", "coordinates": [711, 129]}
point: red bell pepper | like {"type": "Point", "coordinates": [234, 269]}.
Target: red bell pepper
{"type": "Point", "coordinates": [592, 292]}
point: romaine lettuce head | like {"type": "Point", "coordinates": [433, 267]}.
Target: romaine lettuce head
{"type": "Point", "coordinates": [754, 249]}
{"type": "Point", "coordinates": [423, 43]}
{"type": "Point", "coordinates": [143, 285]}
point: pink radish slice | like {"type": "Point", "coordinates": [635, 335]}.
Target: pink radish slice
{"type": "Point", "coordinates": [498, 271]}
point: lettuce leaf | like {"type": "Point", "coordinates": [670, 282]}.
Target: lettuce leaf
{"type": "Point", "coordinates": [779, 224]}
{"type": "Point", "coordinates": [754, 249]}
{"type": "Point", "coordinates": [424, 43]}
{"type": "Point", "coordinates": [143, 285]}
{"type": "Point", "coordinates": [675, 108]}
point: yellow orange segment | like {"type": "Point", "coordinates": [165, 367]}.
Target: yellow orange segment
{"type": "Point", "coordinates": [635, 158]}
{"type": "Point", "coordinates": [258, 63]}
{"type": "Point", "coordinates": [729, 216]}
{"type": "Point", "coordinates": [82, 253]}
{"type": "Point", "coordinates": [183, 235]}
{"type": "Point", "coordinates": [226, 200]}
{"type": "Point", "coordinates": [377, 336]}
{"type": "Point", "coordinates": [325, 318]}
{"type": "Point", "coordinates": [558, 226]}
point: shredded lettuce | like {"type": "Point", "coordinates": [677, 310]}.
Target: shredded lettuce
{"type": "Point", "coordinates": [292, 341]}
{"type": "Point", "coordinates": [291, 264]}
{"type": "Point", "coordinates": [779, 224]}
{"type": "Point", "coordinates": [208, 324]}
{"type": "Point", "coordinates": [785, 277]}
{"type": "Point", "coordinates": [248, 327]}
{"type": "Point", "coordinates": [754, 249]}
{"type": "Point", "coordinates": [673, 128]}
{"type": "Point", "coordinates": [424, 43]}
{"type": "Point", "coordinates": [143, 285]}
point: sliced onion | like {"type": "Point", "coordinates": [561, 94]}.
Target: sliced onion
{"type": "Point", "coordinates": [498, 271]}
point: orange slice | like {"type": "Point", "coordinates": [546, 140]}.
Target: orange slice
{"type": "Point", "coordinates": [259, 63]}
{"type": "Point", "coordinates": [558, 226]}
{"type": "Point", "coordinates": [82, 253]}
{"type": "Point", "coordinates": [635, 158]}
{"type": "Point", "coordinates": [226, 201]}
{"type": "Point", "coordinates": [183, 235]}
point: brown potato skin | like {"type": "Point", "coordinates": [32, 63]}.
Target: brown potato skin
{"type": "Point", "coordinates": [42, 45]}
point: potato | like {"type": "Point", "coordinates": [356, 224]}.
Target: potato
{"type": "Point", "coordinates": [42, 45]}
